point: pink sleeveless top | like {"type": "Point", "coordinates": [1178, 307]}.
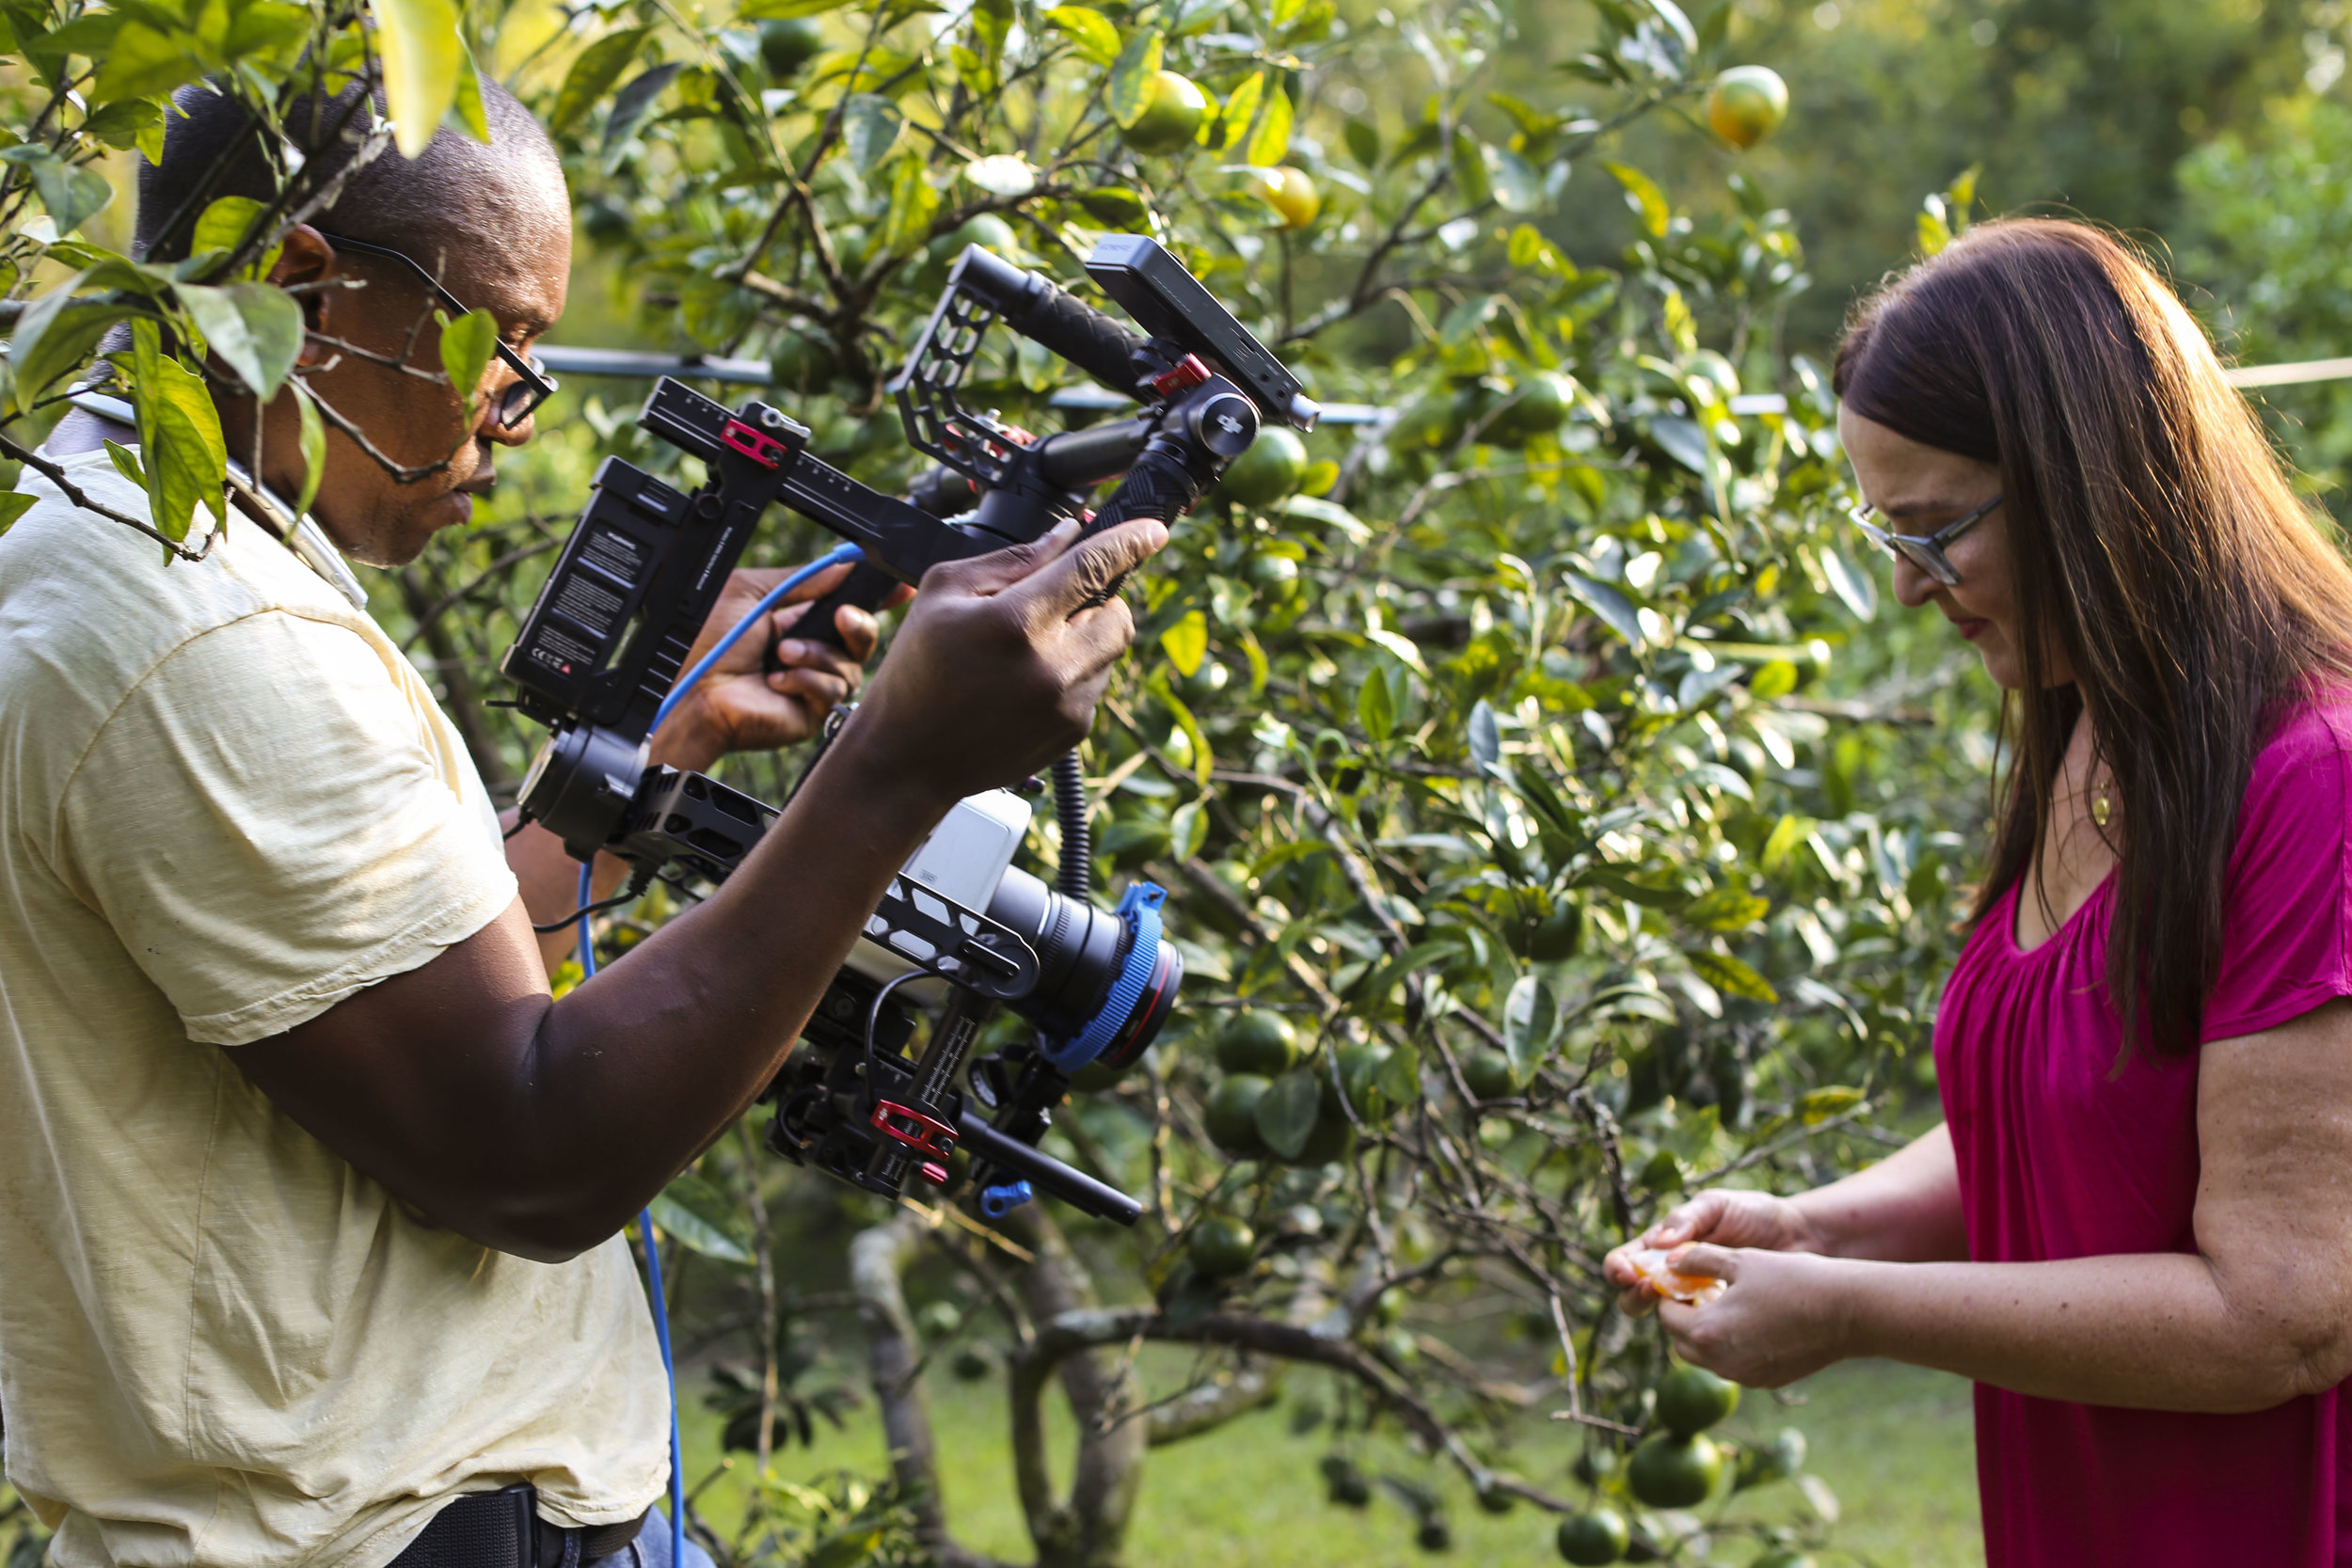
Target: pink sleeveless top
{"type": "Point", "coordinates": [2058, 1159]}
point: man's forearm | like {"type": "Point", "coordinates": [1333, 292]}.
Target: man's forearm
{"type": "Point", "coordinates": [539, 1127]}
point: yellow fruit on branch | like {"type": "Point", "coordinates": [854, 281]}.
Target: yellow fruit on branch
{"type": "Point", "coordinates": [1292, 195]}
{"type": "Point", "coordinates": [1747, 104]}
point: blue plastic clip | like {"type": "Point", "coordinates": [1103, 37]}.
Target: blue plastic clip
{"type": "Point", "coordinates": [996, 1202]}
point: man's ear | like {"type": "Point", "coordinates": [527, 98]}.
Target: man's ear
{"type": "Point", "coordinates": [306, 257]}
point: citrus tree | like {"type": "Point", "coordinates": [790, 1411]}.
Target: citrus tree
{"type": "Point", "coordinates": [1550, 824]}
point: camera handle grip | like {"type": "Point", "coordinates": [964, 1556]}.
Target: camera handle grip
{"type": "Point", "coordinates": [866, 587]}
{"type": "Point", "coordinates": [1159, 485]}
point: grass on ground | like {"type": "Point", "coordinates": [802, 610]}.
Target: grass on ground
{"type": "Point", "coordinates": [1893, 1442]}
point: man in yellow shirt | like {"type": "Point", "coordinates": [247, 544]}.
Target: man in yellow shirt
{"type": "Point", "coordinates": [309, 1193]}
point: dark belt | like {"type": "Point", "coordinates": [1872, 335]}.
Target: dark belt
{"type": "Point", "coordinates": [502, 1530]}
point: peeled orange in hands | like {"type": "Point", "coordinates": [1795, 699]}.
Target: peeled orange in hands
{"type": "Point", "coordinates": [1692, 1289]}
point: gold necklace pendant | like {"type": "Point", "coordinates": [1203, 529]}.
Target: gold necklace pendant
{"type": "Point", "coordinates": [2100, 809]}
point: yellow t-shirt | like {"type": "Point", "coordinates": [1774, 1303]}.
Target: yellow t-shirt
{"type": "Point", "coordinates": [227, 803]}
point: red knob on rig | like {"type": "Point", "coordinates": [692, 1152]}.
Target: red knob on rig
{"type": "Point", "coordinates": [1182, 376]}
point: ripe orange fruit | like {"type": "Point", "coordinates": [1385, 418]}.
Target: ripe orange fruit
{"type": "Point", "coordinates": [1747, 104]}
{"type": "Point", "coordinates": [1173, 109]}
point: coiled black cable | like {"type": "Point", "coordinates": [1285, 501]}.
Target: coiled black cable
{"type": "Point", "coordinates": [1075, 876]}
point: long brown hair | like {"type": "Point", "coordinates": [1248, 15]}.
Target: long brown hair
{"type": "Point", "coordinates": [2154, 538]}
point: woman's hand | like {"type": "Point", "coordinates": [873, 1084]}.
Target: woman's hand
{"type": "Point", "coordinates": [1786, 1316]}
{"type": "Point", "coordinates": [1724, 1216]}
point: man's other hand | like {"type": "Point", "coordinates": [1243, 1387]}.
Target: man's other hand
{"type": "Point", "coordinates": [744, 707]}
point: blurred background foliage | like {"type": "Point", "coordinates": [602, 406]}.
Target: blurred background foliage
{"type": "Point", "coordinates": [1558, 811]}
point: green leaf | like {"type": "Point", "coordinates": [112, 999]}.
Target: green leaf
{"type": "Point", "coordinates": [13, 504]}
{"type": "Point", "coordinates": [180, 442]}
{"type": "Point", "coordinates": [1726, 909]}
{"type": "Point", "coordinates": [1117, 208]}
{"type": "Point", "coordinates": [1287, 1111]}
{"type": "Point", "coordinates": [1090, 32]}
{"type": "Point", "coordinates": [256, 329]}
{"type": "Point", "coordinates": [913, 203]}
{"type": "Point", "coordinates": [1815, 1106]}
{"type": "Point", "coordinates": [1850, 583]}
{"type": "Point", "coordinates": [1469, 170]}
{"type": "Point", "coordinates": [1131, 76]}
{"type": "Point", "coordinates": [1732, 976]}
{"type": "Point", "coordinates": [223, 224]}
{"type": "Point", "coordinates": [1518, 187]}
{"type": "Point", "coordinates": [1649, 895]}
{"type": "Point", "coordinates": [1612, 607]}
{"type": "Point", "coordinates": [1186, 642]}
{"type": "Point", "coordinates": [1270, 143]}
{"type": "Point", "coordinates": [592, 76]}
{"type": "Point", "coordinates": [1364, 142]}
{"type": "Point", "coordinates": [633, 103]}
{"type": "Point", "coordinates": [1683, 440]}
{"type": "Point", "coordinates": [55, 335]}
{"type": "Point", "coordinates": [1375, 709]}
{"type": "Point", "coordinates": [313, 442]}
{"type": "Point", "coordinates": [466, 110]}
{"type": "Point", "coordinates": [869, 129]}
{"type": "Point", "coordinates": [74, 194]}
{"type": "Point", "coordinates": [1239, 112]}
{"type": "Point", "coordinates": [467, 345]}
{"type": "Point", "coordinates": [1531, 1022]}
{"type": "Point", "coordinates": [127, 463]}
{"type": "Point", "coordinates": [1187, 829]}
{"type": "Point", "coordinates": [147, 62]}
{"type": "Point", "coordinates": [700, 1218]}
{"type": "Point", "coordinates": [1486, 737]}
{"type": "Point", "coordinates": [1642, 195]}
{"type": "Point", "coordinates": [783, 10]}
{"type": "Point", "coordinates": [423, 56]}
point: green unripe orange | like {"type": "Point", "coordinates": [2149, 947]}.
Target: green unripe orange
{"type": "Point", "coordinates": [1667, 1471]}
{"type": "Point", "coordinates": [1274, 466]}
{"type": "Point", "coordinates": [1222, 1247]}
{"type": "Point", "coordinates": [1692, 1398]}
{"type": "Point", "coordinates": [1257, 1041]}
{"type": "Point", "coordinates": [787, 43]}
{"type": "Point", "coordinates": [1232, 1115]}
{"type": "Point", "coordinates": [1173, 108]}
{"type": "Point", "coordinates": [1591, 1539]}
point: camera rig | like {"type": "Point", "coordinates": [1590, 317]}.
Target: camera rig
{"type": "Point", "coordinates": [608, 640]}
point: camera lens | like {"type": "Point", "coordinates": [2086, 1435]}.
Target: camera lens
{"type": "Point", "coordinates": [1083, 953]}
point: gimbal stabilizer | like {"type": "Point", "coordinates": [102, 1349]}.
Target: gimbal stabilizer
{"type": "Point", "coordinates": [608, 639]}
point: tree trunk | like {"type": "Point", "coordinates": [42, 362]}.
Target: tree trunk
{"type": "Point", "coordinates": [1088, 1528]}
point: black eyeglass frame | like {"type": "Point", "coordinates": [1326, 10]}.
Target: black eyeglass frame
{"type": "Point", "coordinates": [1925, 551]}
{"type": "Point", "coordinates": [532, 381]}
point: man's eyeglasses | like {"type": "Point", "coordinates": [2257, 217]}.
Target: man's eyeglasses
{"type": "Point", "coordinates": [532, 385]}
{"type": "Point", "coordinates": [1925, 551]}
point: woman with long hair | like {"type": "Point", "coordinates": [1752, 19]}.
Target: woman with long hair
{"type": "Point", "coordinates": [2133, 1228]}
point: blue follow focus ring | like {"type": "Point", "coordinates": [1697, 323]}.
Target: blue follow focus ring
{"type": "Point", "coordinates": [1140, 908]}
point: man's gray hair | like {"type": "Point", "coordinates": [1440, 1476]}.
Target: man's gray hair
{"type": "Point", "coordinates": [212, 147]}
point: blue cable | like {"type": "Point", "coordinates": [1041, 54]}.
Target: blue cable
{"type": "Point", "coordinates": [774, 596]}
{"type": "Point", "coordinates": [588, 967]}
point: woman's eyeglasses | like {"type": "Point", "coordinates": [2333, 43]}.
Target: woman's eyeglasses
{"type": "Point", "coordinates": [531, 385]}
{"type": "Point", "coordinates": [1925, 551]}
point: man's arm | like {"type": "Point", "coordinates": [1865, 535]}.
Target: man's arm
{"type": "Point", "coordinates": [539, 1127]}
